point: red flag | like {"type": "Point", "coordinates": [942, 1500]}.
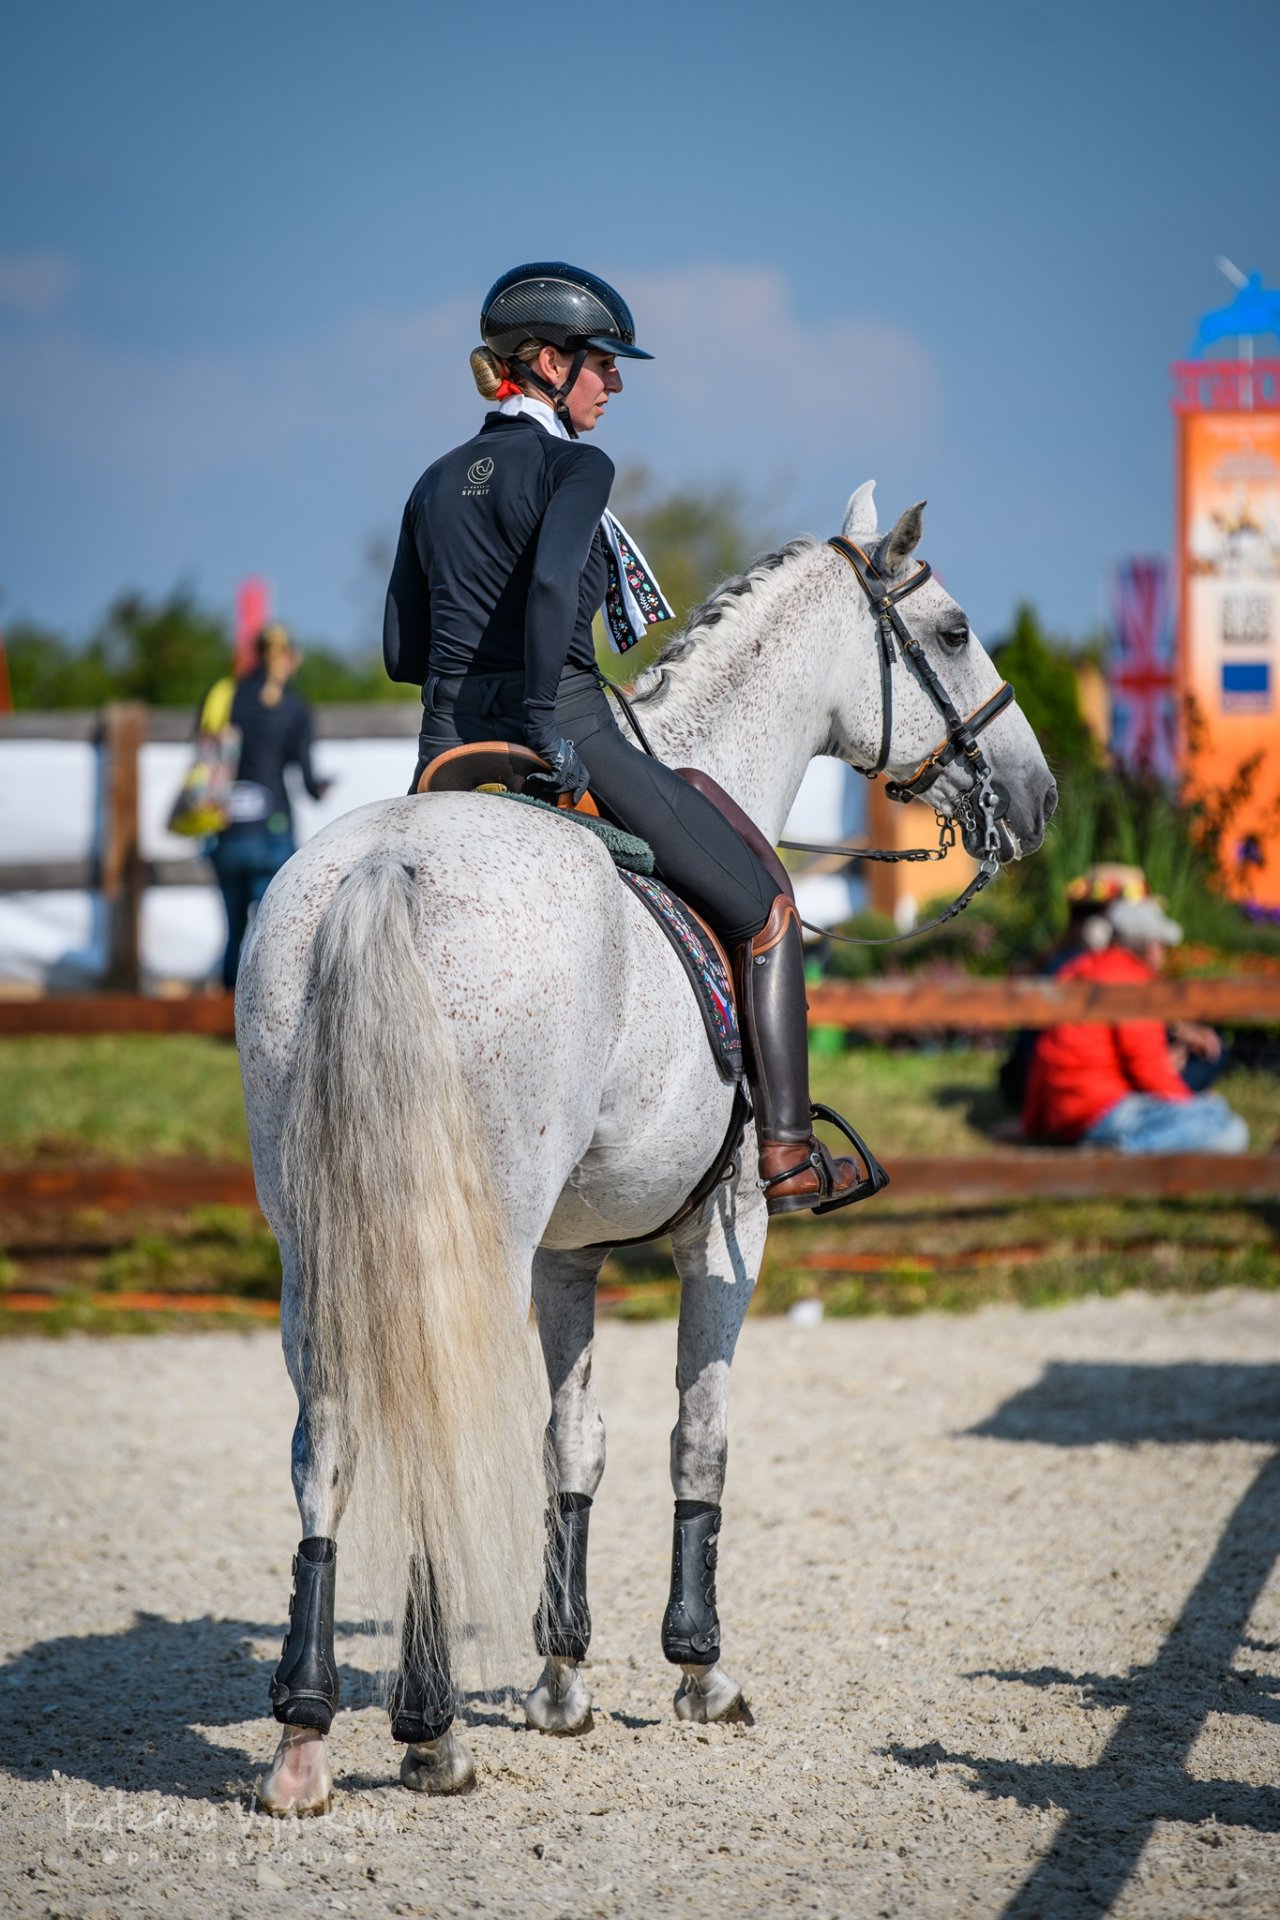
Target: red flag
{"type": "Point", "coordinates": [253, 610]}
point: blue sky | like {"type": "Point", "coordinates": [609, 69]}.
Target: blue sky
{"type": "Point", "coordinates": [242, 250]}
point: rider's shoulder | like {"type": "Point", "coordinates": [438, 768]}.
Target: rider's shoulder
{"type": "Point", "coordinates": [579, 457]}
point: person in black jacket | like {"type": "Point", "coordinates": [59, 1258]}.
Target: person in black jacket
{"type": "Point", "coordinates": [506, 552]}
{"type": "Point", "coordinates": [274, 725]}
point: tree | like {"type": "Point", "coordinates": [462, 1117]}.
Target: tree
{"type": "Point", "coordinates": [692, 540]}
{"type": "Point", "coordinates": [44, 672]}
{"type": "Point", "coordinates": [1044, 676]}
{"type": "Point", "coordinates": [167, 654]}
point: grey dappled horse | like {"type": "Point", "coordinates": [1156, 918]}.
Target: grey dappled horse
{"type": "Point", "coordinates": [472, 1063]}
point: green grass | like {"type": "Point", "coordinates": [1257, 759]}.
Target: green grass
{"type": "Point", "coordinates": [120, 1098]}
{"type": "Point", "coordinates": [130, 1097]}
{"type": "Point", "coordinates": [140, 1097]}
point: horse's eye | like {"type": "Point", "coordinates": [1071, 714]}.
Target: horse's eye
{"type": "Point", "coordinates": [955, 636]}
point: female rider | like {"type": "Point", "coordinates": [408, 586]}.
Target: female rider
{"type": "Point", "coordinates": [503, 560]}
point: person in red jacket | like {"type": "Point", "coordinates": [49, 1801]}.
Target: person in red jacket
{"type": "Point", "coordinates": [1120, 1086]}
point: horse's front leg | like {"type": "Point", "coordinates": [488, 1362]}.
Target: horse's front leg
{"type": "Point", "coordinates": [304, 1687]}
{"type": "Point", "coordinates": [564, 1293]}
{"type": "Point", "coordinates": [718, 1257]}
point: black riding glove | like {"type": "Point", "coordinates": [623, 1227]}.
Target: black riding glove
{"type": "Point", "coordinates": [565, 771]}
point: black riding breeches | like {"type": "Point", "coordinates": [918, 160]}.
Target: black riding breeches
{"type": "Point", "coordinates": [695, 849]}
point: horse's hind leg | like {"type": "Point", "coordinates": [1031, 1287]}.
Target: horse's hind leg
{"type": "Point", "coordinates": [304, 1687]}
{"type": "Point", "coordinates": [564, 1292]}
{"type": "Point", "coordinates": [718, 1258]}
{"type": "Point", "coordinates": [422, 1707]}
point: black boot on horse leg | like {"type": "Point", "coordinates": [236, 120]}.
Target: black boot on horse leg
{"type": "Point", "coordinates": [423, 1697]}
{"type": "Point", "coordinates": [560, 1703]}
{"type": "Point", "coordinates": [691, 1625]}
{"type": "Point", "coordinates": [796, 1169]}
{"type": "Point", "coordinates": [304, 1689]}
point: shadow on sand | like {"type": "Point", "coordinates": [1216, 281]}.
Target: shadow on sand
{"type": "Point", "coordinates": [1141, 1776]}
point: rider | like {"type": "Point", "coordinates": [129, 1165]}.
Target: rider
{"type": "Point", "coordinates": [504, 557]}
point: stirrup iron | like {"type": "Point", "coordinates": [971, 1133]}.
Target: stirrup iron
{"type": "Point", "coordinates": [875, 1177]}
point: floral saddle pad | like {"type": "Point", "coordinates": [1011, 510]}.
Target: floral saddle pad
{"type": "Point", "coordinates": [703, 960]}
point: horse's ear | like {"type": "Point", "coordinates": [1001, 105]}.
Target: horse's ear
{"type": "Point", "coordinates": [860, 514]}
{"type": "Point", "coordinates": [904, 539]}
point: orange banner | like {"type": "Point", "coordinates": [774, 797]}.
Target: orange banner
{"type": "Point", "coordinates": [1230, 640]}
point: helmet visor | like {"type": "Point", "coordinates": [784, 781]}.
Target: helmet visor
{"type": "Point", "coordinates": [609, 343]}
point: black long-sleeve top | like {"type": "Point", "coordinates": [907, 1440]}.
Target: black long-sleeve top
{"type": "Point", "coordinates": [501, 565]}
{"type": "Point", "coordinates": [271, 739]}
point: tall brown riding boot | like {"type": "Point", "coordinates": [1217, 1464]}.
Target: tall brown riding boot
{"type": "Point", "coordinates": [796, 1169]}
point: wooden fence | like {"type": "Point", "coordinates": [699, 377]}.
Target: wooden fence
{"type": "Point", "coordinates": [877, 1006]}
{"type": "Point", "coordinates": [1006, 1173]}
{"type": "Point", "coordinates": [117, 868]}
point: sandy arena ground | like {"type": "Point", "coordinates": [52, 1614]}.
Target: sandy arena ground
{"type": "Point", "coordinates": [1002, 1592]}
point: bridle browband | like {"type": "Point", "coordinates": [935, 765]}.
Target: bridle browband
{"type": "Point", "coordinates": [984, 803]}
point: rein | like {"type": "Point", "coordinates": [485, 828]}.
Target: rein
{"type": "Point", "coordinates": [985, 802]}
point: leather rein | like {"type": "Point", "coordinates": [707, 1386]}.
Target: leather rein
{"type": "Point", "coordinates": [983, 804]}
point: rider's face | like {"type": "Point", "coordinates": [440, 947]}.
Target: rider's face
{"type": "Point", "coordinates": [589, 395]}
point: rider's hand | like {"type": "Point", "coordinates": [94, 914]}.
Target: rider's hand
{"type": "Point", "coordinates": [565, 772]}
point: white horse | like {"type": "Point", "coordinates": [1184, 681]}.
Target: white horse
{"type": "Point", "coordinates": [472, 1063]}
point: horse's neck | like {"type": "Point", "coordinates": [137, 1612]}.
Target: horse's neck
{"type": "Point", "coordinates": [749, 704]}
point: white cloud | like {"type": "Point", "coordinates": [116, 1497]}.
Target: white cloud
{"type": "Point", "coordinates": [742, 383]}
{"type": "Point", "coordinates": [744, 370]}
{"type": "Point", "coordinates": [34, 284]}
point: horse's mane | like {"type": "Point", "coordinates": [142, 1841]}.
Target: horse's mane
{"type": "Point", "coordinates": [726, 603]}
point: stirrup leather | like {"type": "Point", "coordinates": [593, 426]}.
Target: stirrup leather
{"type": "Point", "coordinates": [874, 1179]}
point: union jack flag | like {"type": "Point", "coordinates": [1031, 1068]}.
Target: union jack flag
{"type": "Point", "coordinates": [1144, 681]}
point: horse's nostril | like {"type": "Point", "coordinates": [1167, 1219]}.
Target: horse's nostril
{"type": "Point", "coordinates": [1050, 803]}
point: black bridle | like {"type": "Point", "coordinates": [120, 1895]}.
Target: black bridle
{"type": "Point", "coordinates": [962, 735]}
{"type": "Point", "coordinates": [983, 806]}
{"type": "Point", "coordinates": [985, 803]}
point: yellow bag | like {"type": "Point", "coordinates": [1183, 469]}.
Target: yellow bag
{"type": "Point", "coordinates": [203, 802]}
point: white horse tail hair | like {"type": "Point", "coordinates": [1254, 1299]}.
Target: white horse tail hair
{"type": "Point", "coordinates": [414, 1327]}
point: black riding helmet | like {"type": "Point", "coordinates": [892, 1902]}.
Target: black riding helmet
{"type": "Point", "coordinates": [565, 306]}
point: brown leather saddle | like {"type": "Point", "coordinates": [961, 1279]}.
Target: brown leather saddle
{"type": "Point", "coordinates": [492, 766]}
{"type": "Point", "coordinates": [495, 766]}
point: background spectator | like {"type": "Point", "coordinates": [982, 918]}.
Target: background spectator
{"type": "Point", "coordinates": [1121, 1086]}
{"type": "Point", "coordinates": [275, 733]}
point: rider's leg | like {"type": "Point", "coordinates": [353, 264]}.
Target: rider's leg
{"type": "Point", "coordinates": [796, 1168]}
{"type": "Point", "coordinates": [701, 855]}
{"type": "Point", "coordinates": [717, 1254]}
{"type": "Point", "coordinates": [564, 1293]}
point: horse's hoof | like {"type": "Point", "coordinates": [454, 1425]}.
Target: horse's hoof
{"type": "Point", "coordinates": [438, 1766]}
{"type": "Point", "coordinates": [561, 1701]}
{"type": "Point", "coordinates": [707, 1694]}
{"type": "Point", "coordinates": [298, 1783]}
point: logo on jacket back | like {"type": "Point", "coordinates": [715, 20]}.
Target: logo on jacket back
{"type": "Point", "coordinates": [479, 474]}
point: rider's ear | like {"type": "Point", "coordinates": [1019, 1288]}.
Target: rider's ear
{"type": "Point", "coordinates": [860, 514]}
{"type": "Point", "coordinates": [904, 539]}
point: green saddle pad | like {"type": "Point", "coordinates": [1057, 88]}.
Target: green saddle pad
{"type": "Point", "coordinates": [626, 850]}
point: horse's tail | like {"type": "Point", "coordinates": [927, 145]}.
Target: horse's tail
{"type": "Point", "coordinates": [412, 1331]}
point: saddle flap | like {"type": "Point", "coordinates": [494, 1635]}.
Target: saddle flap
{"type": "Point", "coordinates": [496, 764]}
{"type": "Point", "coordinates": [742, 824]}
